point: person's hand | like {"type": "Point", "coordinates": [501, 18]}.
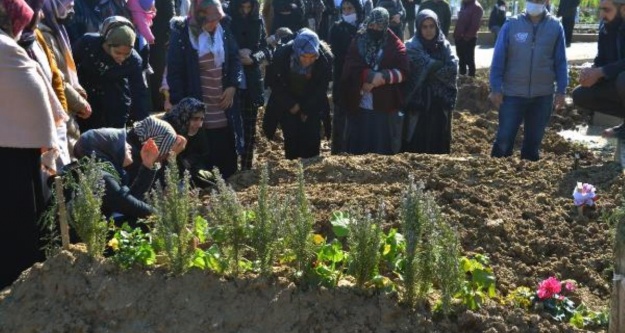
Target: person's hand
{"type": "Point", "coordinates": [244, 52]}
{"type": "Point", "coordinates": [246, 61]}
{"type": "Point", "coordinates": [589, 76]}
{"type": "Point", "coordinates": [167, 105]}
{"type": "Point", "coordinates": [179, 145]}
{"type": "Point", "coordinates": [303, 117]}
{"type": "Point", "coordinates": [378, 80]}
{"type": "Point", "coordinates": [149, 153]}
{"type": "Point", "coordinates": [496, 99]}
{"type": "Point", "coordinates": [272, 41]}
{"type": "Point", "coordinates": [294, 109]}
{"type": "Point", "coordinates": [367, 87]}
{"type": "Point", "coordinates": [84, 113]}
{"type": "Point", "coordinates": [396, 18]}
{"type": "Point", "coordinates": [227, 98]}
{"type": "Point", "coordinates": [559, 102]}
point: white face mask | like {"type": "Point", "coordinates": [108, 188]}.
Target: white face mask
{"type": "Point", "coordinates": [534, 9]}
{"type": "Point", "coordinates": [502, 8]}
{"type": "Point", "coordinates": [351, 18]}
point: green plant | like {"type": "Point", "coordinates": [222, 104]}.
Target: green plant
{"type": "Point", "coordinates": [87, 188]}
{"type": "Point", "coordinates": [176, 207]}
{"type": "Point", "coordinates": [364, 239]}
{"type": "Point", "coordinates": [300, 229]}
{"type": "Point", "coordinates": [431, 248]}
{"type": "Point", "coordinates": [479, 284]}
{"type": "Point", "coordinates": [328, 267]}
{"type": "Point", "coordinates": [583, 317]}
{"type": "Point", "coordinates": [267, 229]}
{"type": "Point", "coordinates": [132, 247]}
{"type": "Point", "coordinates": [227, 212]}
{"type": "Point", "coordinates": [393, 249]}
{"type": "Point", "coordinates": [520, 297]}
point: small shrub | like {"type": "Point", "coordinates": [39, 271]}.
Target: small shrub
{"type": "Point", "coordinates": [176, 208]}
{"type": "Point", "coordinates": [227, 212]}
{"type": "Point", "coordinates": [299, 230]}
{"type": "Point", "coordinates": [268, 225]}
{"type": "Point", "coordinates": [364, 239]}
{"type": "Point", "coordinates": [87, 188]}
{"type": "Point", "coordinates": [479, 284]}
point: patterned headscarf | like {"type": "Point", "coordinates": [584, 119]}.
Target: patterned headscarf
{"type": "Point", "coordinates": [53, 11]}
{"type": "Point", "coordinates": [163, 134]}
{"type": "Point", "coordinates": [180, 116]}
{"type": "Point", "coordinates": [108, 144]}
{"type": "Point", "coordinates": [306, 42]}
{"type": "Point", "coordinates": [439, 40]}
{"type": "Point", "coordinates": [367, 47]}
{"type": "Point", "coordinates": [14, 16]}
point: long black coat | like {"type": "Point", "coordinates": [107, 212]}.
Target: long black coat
{"type": "Point", "coordinates": [313, 103]}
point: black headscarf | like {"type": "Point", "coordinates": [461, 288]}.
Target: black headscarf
{"type": "Point", "coordinates": [180, 116]}
{"type": "Point", "coordinates": [108, 145]}
{"type": "Point", "coordinates": [438, 41]}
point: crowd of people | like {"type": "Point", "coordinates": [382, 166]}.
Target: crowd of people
{"type": "Point", "coordinates": [83, 78]}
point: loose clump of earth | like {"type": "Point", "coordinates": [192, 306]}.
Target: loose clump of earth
{"type": "Point", "coordinates": [518, 213]}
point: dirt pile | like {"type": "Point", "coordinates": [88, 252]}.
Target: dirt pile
{"type": "Point", "coordinates": [518, 213]}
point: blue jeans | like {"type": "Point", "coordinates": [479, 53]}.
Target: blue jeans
{"type": "Point", "coordinates": [534, 113]}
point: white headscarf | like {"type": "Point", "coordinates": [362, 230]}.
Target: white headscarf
{"type": "Point", "coordinates": [205, 43]}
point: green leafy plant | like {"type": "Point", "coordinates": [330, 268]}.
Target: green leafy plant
{"type": "Point", "coordinates": [431, 248]}
{"type": "Point", "coordinates": [479, 284]}
{"type": "Point", "coordinates": [364, 239]}
{"type": "Point", "coordinates": [266, 233]}
{"type": "Point", "coordinates": [329, 265]}
{"type": "Point", "coordinates": [176, 208]}
{"type": "Point", "coordinates": [87, 190]}
{"type": "Point", "coordinates": [227, 212]}
{"type": "Point", "coordinates": [132, 247]}
{"type": "Point", "coordinates": [300, 229]}
{"type": "Point", "coordinates": [393, 249]}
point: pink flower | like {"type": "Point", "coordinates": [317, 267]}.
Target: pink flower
{"type": "Point", "coordinates": [569, 286]}
{"type": "Point", "coordinates": [549, 287]}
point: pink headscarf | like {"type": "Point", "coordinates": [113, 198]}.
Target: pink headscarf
{"type": "Point", "coordinates": [19, 14]}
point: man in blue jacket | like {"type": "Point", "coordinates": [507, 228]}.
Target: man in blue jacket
{"type": "Point", "coordinates": [529, 57]}
{"type": "Point", "coordinates": [602, 87]}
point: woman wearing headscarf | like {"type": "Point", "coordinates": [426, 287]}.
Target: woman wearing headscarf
{"type": "Point", "coordinates": [203, 63]}
{"type": "Point", "coordinates": [111, 72]}
{"type": "Point", "coordinates": [375, 66]}
{"type": "Point", "coordinates": [187, 118]}
{"type": "Point", "coordinates": [341, 36]}
{"type": "Point", "coordinates": [33, 42]}
{"type": "Point", "coordinates": [163, 134]}
{"type": "Point", "coordinates": [55, 12]}
{"type": "Point", "coordinates": [431, 88]}
{"type": "Point", "coordinates": [26, 127]}
{"type": "Point", "coordinates": [287, 14]}
{"type": "Point", "coordinates": [249, 32]}
{"type": "Point", "coordinates": [121, 197]}
{"type": "Point", "coordinates": [299, 77]}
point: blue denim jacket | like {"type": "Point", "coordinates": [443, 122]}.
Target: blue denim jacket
{"type": "Point", "coordinates": [529, 58]}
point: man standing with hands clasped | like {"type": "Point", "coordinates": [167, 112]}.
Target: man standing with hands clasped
{"type": "Point", "coordinates": [529, 57]}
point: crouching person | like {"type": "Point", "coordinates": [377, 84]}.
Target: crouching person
{"type": "Point", "coordinates": [120, 198]}
{"type": "Point", "coordinates": [187, 118]}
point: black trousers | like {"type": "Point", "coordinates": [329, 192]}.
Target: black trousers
{"type": "Point", "coordinates": [250, 115]}
{"type": "Point", "coordinates": [22, 203]}
{"type": "Point", "coordinates": [466, 55]}
{"type": "Point", "coordinates": [606, 96]}
{"type": "Point", "coordinates": [568, 22]}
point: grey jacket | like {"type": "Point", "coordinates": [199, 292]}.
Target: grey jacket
{"type": "Point", "coordinates": [529, 58]}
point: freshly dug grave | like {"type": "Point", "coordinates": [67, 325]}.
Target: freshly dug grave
{"type": "Point", "coordinates": [520, 214]}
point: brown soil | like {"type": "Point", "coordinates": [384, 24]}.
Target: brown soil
{"type": "Point", "coordinates": [518, 213]}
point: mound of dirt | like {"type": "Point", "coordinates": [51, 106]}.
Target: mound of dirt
{"type": "Point", "coordinates": [518, 213]}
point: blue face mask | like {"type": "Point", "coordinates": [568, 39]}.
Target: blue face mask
{"type": "Point", "coordinates": [534, 9]}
